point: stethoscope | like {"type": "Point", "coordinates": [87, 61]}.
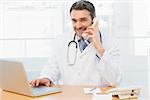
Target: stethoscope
{"type": "Point", "coordinates": [70, 60]}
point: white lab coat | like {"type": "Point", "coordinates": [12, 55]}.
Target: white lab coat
{"type": "Point", "coordinates": [87, 70]}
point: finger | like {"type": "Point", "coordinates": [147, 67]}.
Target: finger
{"type": "Point", "coordinates": [84, 35]}
{"type": "Point", "coordinates": [33, 82]}
{"type": "Point", "coordinates": [89, 32]}
{"type": "Point", "coordinates": [90, 28]}
{"type": "Point", "coordinates": [47, 84]}
{"type": "Point", "coordinates": [89, 37]}
{"type": "Point", "coordinates": [37, 82]}
{"type": "Point", "coordinates": [95, 27]}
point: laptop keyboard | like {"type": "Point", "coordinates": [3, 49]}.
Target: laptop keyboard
{"type": "Point", "coordinates": [42, 90]}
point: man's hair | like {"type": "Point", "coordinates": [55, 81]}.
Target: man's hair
{"type": "Point", "coordinates": [83, 4]}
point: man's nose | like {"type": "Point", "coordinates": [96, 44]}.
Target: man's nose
{"type": "Point", "coordinates": [78, 25]}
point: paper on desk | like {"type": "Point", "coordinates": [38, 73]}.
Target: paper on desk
{"type": "Point", "coordinates": [102, 97]}
{"type": "Point", "coordinates": [91, 90]}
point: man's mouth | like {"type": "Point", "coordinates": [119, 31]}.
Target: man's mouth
{"type": "Point", "coordinates": [80, 30]}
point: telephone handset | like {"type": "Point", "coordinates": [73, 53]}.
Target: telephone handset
{"type": "Point", "coordinates": [125, 92]}
{"type": "Point", "coordinates": [94, 22]}
{"type": "Point", "coordinates": [84, 35]}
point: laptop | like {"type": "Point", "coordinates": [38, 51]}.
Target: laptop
{"type": "Point", "coordinates": [13, 78]}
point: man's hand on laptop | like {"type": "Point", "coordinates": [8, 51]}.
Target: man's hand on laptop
{"type": "Point", "coordinates": [43, 81]}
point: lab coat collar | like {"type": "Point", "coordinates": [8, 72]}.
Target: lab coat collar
{"type": "Point", "coordinates": [77, 38]}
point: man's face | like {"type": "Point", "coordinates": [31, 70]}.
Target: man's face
{"type": "Point", "coordinates": [81, 19]}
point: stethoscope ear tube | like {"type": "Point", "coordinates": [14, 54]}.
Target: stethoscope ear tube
{"type": "Point", "coordinates": [73, 42]}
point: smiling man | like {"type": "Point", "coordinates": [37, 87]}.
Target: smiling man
{"type": "Point", "coordinates": [96, 57]}
{"type": "Point", "coordinates": [81, 19]}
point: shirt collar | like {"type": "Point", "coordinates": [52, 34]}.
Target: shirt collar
{"type": "Point", "coordinates": [77, 38]}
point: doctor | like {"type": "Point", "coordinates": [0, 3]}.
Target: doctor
{"type": "Point", "coordinates": [93, 60]}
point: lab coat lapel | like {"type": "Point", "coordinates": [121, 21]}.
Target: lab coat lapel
{"type": "Point", "coordinates": [85, 51]}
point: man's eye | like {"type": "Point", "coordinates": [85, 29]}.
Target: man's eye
{"type": "Point", "coordinates": [84, 20]}
{"type": "Point", "coordinates": [73, 21]}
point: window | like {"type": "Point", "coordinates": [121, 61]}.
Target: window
{"type": "Point", "coordinates": [29, 25]}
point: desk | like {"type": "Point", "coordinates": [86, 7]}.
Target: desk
{"type": "Point", "coordinates": [68, 93]}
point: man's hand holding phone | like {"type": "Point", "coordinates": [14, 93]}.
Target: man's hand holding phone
{"type": "Point", "coordinates": [92, 34]}
{"type": "Point", "coordinates": [85, 35]}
